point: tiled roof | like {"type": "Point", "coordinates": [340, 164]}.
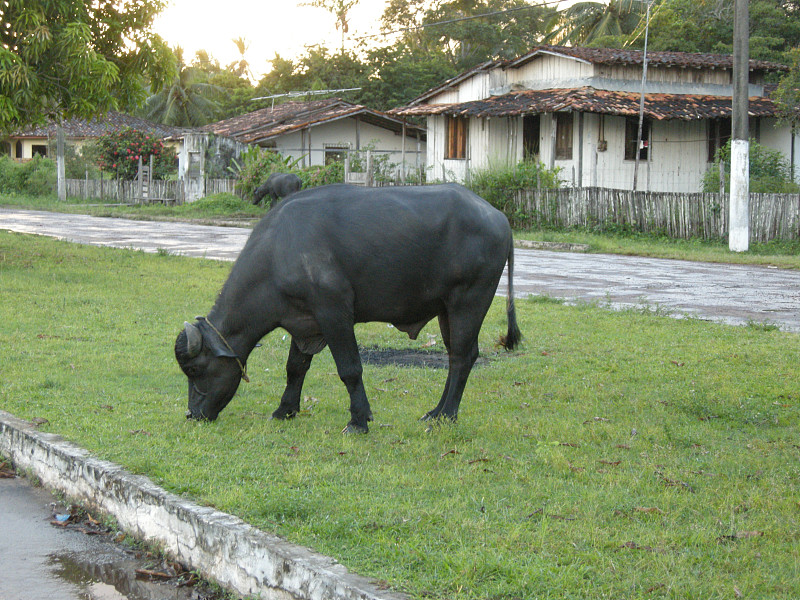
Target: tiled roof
{"type": "Point", "coordinates": [268, 123]}
{"type": "Point", "coordinates": [686, 107]}
{"type": "Point", "coordinates": [611, 56]}
{"type": "Point", "coordinates": [111, 121]}
{"type": "Point", "coordinates": [605, 56]}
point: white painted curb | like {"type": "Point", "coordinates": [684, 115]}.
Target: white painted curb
{"type": "Point", "coordinates": [222, 547]}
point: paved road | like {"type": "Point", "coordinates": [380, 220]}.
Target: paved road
{"type": "Point", "coordinates": [730, 293]}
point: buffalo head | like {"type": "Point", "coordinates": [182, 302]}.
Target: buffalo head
{"type": "Point", "coordinates": [213, 368]}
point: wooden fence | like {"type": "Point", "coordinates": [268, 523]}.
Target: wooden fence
{"type": "Point", "coordinates": [772, 216]}
{"type": "Point", "coordinates": [125, 192]}
{"type": "Point", "coordinates": [681, 215]}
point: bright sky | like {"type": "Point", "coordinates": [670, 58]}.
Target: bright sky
{"type": "Point", "coordinates": [268, 26]}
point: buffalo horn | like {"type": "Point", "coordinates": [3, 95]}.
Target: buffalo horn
{"type": "Point", "coordinates": [194, 339]}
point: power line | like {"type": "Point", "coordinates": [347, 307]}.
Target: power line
{"type": "Point", "coordinates": [460, 19]}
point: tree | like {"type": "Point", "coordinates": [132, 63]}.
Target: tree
{"type": "Point", "coordinates": [68, 58]}
{"type": "Point", "coordinates": [340, 9]}
{"type": "Point", "coordinates": [787, 95]}
{"type": "Point", "coordinates": [241, 68]}
{"type": "Point", "coordinates": [586, 22]}
{"type": "Point", "coordinates": [401, 74]}
{"type": "Point", "coordinates": [186, 100]}
{"type": "Point", "coordinates": [468, 32]}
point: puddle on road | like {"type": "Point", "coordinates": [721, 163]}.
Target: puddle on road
{"type": "Point", "coordinates": [115, 579]}
{"type": "Point", "coordinates": [78, 559]}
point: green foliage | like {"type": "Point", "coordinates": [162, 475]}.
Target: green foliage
{"type": "Point", "coordinates": [66, 58]}
{"type": "Point", "coordinates": [36, 177]}
{"type": "Point", "coordinates": [770, 172]}
{"type": "Point", "coordinates": [584, 23]}
{"type": "Point", "coordinates": [322, 175]}
{"type": "Point", "coordinates": [787, 95]}
{"type": "Point", "coordinates": [222, 205]}
{"type": "Point", "coordinates": [497, 184]}
{"type": "Point", "coordinates": [186, 98]}
{"type": "Point", "coordinates": [119, 153]}
{"type": "Point", "coordinates": [257, 164]}
{"type": "Point", "coordinates": [511, 28]}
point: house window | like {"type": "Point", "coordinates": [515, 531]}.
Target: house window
{"type": "Point", "coordinates": [456, 137]}
{"type": "Point", "coordinates": [40, 149]}
{"type": "Point", "coordinates": [563, 136]}
{"type": "Point", "coordinates": [335, 153]}
{"type": "Point", "coordinates": [530, 137]}
{"type": "Point", "coordinates": [719, 132]}
{"type": "Point", "coordinates": [631, 135]}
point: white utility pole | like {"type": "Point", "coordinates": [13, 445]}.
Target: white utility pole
{"type": "Point", "coordinates": [739, 226]}
{"type": "Point", "coordinates": [61, 181]}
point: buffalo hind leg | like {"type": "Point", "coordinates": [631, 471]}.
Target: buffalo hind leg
{"type": "Point", "coordinates": [444, 329]}
{"type": "Point", "coordinates": [297, 366]}
{"type": "Point", "coordinates": [463, 321]}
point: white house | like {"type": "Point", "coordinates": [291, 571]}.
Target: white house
{"type": "Point", "coordinates": [578, 109]}
{"type": "Point", "coordinates": [320, 131]}
{"type": "Point", "coordinates": [25, 144]}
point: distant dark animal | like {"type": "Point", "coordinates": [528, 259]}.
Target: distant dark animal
{"type": "Point", "coordinates": [277, 185]}
{"type": "Point", "coordinates": [333, 256]}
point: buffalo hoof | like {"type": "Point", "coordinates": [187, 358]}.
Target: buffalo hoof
{"type": "Point", "coordinates": [283, 415]}
{"type": "Point", "coordinates": [353, 428]}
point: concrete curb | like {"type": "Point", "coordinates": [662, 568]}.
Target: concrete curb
{"type": "Point", "coordinates": [562, 246]}
{"type": "Point", "coordinates": [222, 547]}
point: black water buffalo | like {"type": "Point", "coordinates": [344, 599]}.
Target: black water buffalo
{"type": "Point", "coordinates": [277, 185]}
{"type": "Point", "coordinates": [333, 256]}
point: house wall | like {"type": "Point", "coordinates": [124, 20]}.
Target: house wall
{"type": "Point", "coordinates": [309, 145]}
{"type": "Point", "coordinates": [24, 148]}
{"type": "Point", "coordinates": [550, 69]}
{"type": "Point", "coordinates": [677, 159]}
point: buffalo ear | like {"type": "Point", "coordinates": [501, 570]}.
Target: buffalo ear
{"type": "Point", "coordinates": [194, 339]}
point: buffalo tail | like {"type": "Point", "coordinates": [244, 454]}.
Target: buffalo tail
{"type": "Point", "coordinates": [514, 336]}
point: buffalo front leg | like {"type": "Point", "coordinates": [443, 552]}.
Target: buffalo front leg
{"type": "Point", "coordinates": [342, 341]}
{"type": "Point", "coordinates": [297, 366]}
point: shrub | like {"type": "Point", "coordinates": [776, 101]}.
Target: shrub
{"type": "Point", "coordinates": [36, 177]}
{"type": "Point", "coordinates": [258, 164]}
{"type": "Point", "coordinates": [770, 172]}
{"type": "Point", "coordinates": [119, 153]}
{"type": "Point", "coordinates": [496, 184]}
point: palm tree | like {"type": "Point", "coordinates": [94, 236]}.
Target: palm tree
{"type": "Point", "coordinates": [241, 68]}
{"type": "Point", "coordinates": [186, 100]}
{"type": "Point", "coordinates": [584, 22]}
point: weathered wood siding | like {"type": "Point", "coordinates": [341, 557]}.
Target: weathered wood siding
{"type": "Point", "coordinates": [772, 216]}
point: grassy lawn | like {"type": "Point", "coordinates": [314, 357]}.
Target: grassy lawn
{"type": "Point", "coordinates": [616, 455]}
{"type": "Point", "coordinates": [226, 208]}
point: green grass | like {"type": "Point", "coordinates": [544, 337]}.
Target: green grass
{"type": "Point", "coordinates": [784, 254]}
{"type": "Point", "coordinates": [616, 455]}
{"type": "Point", "coordinates": [215, 207]}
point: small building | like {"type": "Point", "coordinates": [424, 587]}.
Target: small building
{"type": "Point", "coordinates": [318, 132]}
{"type": "Point", "coordinates": [578, 109]}
{"type": "Point", "coordinates": [33, 141]}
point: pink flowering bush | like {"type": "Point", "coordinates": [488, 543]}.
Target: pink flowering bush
{"type": "Point", "coordinates": [119, 153]}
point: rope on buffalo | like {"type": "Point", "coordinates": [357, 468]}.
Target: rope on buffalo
{"type": "Point", "coordinates": [236, 356]}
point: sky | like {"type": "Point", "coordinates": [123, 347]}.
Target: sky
{"type": "Point", "coordinates": [268, 26]}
